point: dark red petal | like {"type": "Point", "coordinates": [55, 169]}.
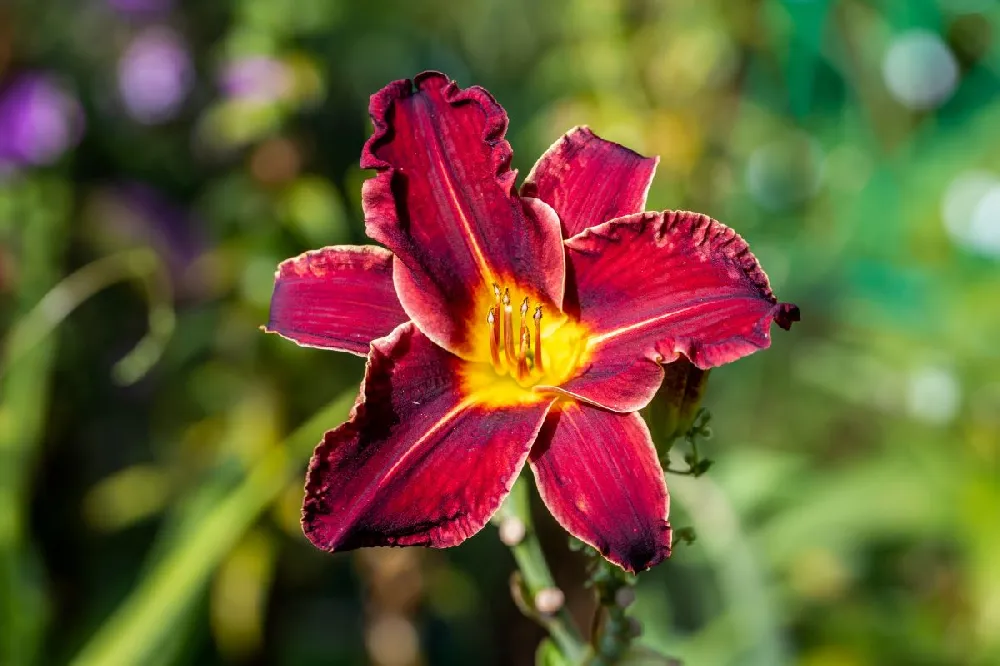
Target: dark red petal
{"type": "Point", "coordinates": [655, 285]}
{"type": "Point", "coordinates": [417, 463]}
{"type": "Point", "coordinates": [336, 298]}
{"type": "Point", "coordinates": [599, 475]}
{"type": "Point", "coordinates": [588, 180]}
{"type": "Point", "coordinates": [443, 201]}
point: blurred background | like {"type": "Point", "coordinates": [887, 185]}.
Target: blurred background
{"type": "Point", "coordinates": [158, 158]}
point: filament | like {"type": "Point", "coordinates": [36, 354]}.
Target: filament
{"type": "Point", "coordinates": [508, 329]}
{"type": "Point", "coordinates": [538, 339]}
{"type": "Point", "coordinates": [494, 323]}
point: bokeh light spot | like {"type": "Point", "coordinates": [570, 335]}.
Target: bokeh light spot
{"type": "Point", "coordinates": [155, 75]}
{"type": "Point", "coordinates": [970, 209]}
{"type": "Point", "coordinates": [934, 395]}
{"type": "Point", "coordinates": [920, 70]}
{"type": "Point", "coordinates": [785, 173]}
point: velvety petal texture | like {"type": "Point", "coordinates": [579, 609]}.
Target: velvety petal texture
{"type": "Point", "coordinates": [599, 475]}
{"type": "Point", "coordinates": [455, 397]}
{"type": "Point", "coordinates": [588, 180]}
{"type": "Point", "coordinates": [655, 285]}
{"type": "Point", "coordinates": [338, 298]}
{"type": "Point", "coordinates": [443, 201]}
{"type": "Point", "coordinates": [417, 463]}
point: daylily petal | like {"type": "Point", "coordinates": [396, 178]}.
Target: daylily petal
{"type": "Point", "coordinates": [589, 180]}
{"type": "Point", "coordinates": [336, 298]}
{"type": "Point", "coordinates": [599, 475]}
{"type": "Point", "coordinates": [418, 463]}
{"type": "Point", "coordinates": [443, 201]}
{"type": "Point", "coordinates": [655, 285]}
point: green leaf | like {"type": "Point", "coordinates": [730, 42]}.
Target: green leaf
{"type": "Point", "coordinates": [150, 614]}
{"type": "Point", "coordinates": [639, 655]}
{"type": "Point", "coordinates": [549, 655]}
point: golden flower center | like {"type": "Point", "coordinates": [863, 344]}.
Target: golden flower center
{"type": "Point", "coordinates": [524, 345]}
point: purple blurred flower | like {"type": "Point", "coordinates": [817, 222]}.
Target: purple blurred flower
{"type": "Point", "coordinates": [256, 78]}
{"type": "Point", "coordinates": [40, 120]}
{"type": "Point", "coordinates": [130, 213]}
{"type": "Point", "coordinates": [155, 75]}
{"type": "Point", "coordinates": [142, 7]}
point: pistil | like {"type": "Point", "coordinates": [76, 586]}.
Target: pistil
{"type": "Point", "coordinates": [508, 329]}
{"type": "Point", "coordinates": [538, 339]}
{"type": "Point", "coordinates": [523, 328]}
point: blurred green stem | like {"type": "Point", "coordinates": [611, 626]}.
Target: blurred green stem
{"type": "Point", "coordinates": [41, 209]}
{"type": "Point", "coordinates": [144, 620]}
{"type": "Point", "coordinates": [534, 576]}
{"type": "Point", "coordinates": [140, 264]}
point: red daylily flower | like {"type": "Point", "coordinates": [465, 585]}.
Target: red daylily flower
{"type": "Point", "coordinates": [502, 327]}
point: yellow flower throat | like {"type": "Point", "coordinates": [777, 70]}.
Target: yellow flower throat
{"type": "Point", "coordinates": [540, 349]}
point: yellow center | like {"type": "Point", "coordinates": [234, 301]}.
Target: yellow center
{"type": "Point", "coordinates": [521, 345]}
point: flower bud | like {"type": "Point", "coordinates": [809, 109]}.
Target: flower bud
{"type": "Point", "coordinates": [675, 407]}
{"type": "Point", "coordinates": [512, 531]}
{"type": "Point", "coordinates": [625, 597]}
{"type": "Point", "coordinates": [549, 600]}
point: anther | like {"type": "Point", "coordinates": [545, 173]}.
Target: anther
{"type": "Point", "coordinates": [538, 339]}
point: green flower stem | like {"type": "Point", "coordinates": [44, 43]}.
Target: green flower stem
{"type": "Point", "coordinates": [41, 210]}
{"type": "Point", "coordinates": [612, 633]}
{"type": "Point", "coordinates": [151, 613]}
{"type": "Point", "coordinates": [535, 576]}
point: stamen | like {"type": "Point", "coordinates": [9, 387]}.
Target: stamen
{"type": "Point", "coordinates": [494, 323]}
{"type": "Point", "coordinates": [523, 328]}
{"type": "Point", "coordinates": [508, 329]}
{"type": "Point", "coordinates": [518, 358]}
{"type": "Point", "coordinates": [522, 356]}
{"type": "Point", "coordinates": [538, 339]}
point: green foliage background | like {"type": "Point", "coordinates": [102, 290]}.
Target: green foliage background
{"type": "Point", "coordinates": [852, 515]}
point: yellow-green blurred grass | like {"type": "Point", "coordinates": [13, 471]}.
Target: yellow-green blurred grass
{"type": "Point", "coordinates": [145, 620]}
